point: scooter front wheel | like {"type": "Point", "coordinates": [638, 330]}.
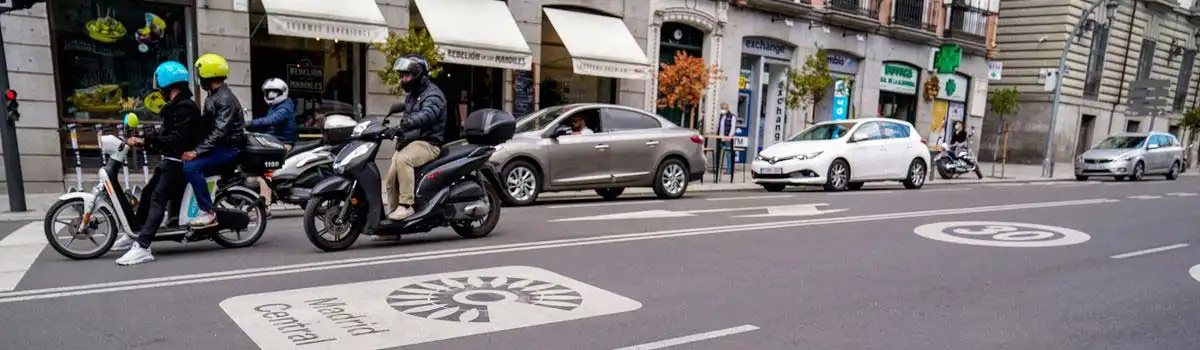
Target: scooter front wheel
{"type": "Point", "coordinates": [66, 238]}
{"type": "Point", "coordinates": [333, 234]}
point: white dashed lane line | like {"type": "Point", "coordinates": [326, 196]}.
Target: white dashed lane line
{"type": "Point", "coordinates": [691, 338]}
{"type": "Point", "coordinates": [1149, 251]}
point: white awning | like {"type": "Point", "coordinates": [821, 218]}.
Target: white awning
{"type": "Point", "coordinates": [348, 20]}
{"type": "Point", "coordinates": [600, 45]}
{"type": "Point", "coordinates": [476, 32]}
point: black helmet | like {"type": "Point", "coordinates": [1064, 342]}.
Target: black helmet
{"type": "Point", "coordinates": [416, 66]}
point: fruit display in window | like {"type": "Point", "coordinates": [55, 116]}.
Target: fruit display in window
{"type": "Point", "coordinates": [106, 29]}
{"type": "Point", "coordinates": [154, 102]}
{"type": "Point", "coordinates": [151, 33]}
{"type": "Point", "coordinates": [98, 98]}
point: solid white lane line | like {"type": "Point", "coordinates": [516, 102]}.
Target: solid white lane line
{"type": "Point", "coordinates": [691, 338]}
{"type": "Point", "coordinates": [18, 251]}
{"type": "Point", "coordinates": [748, 197]}
{"type": "Point", "coordinates": [859, 193]}
{"type": "Point", "coordinates": [157, 282]}
{"type": "Point", "coordinates": [945, 190]}
{"type": "Point", "coordinates": [603, 204]}
{"type": "Point", "coordinates": [1149, 251]}
{"type": "Point", "coordinates": [1144, 197]}
{"type": "Point", "coordinates": [1181, 194]}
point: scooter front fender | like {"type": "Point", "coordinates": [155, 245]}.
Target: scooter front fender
{"type": "Point", "coordinates": [336, 185]}
{"type": "Point", "coordinates": [85, 196]}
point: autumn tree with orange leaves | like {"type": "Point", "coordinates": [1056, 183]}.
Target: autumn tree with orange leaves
{"type": "Point", "coordinates": [682, 83]}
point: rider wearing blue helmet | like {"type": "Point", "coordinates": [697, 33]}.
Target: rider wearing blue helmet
{"type": "Point", "coordinates": [182, 130]}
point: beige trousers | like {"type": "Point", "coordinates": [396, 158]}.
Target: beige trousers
{"type": "Point", "coordinates": [400, 178]}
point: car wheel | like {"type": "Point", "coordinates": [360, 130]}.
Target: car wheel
{"type": "Point", "coordinates": [1139, 170]}
{"type": "Point", "coordinates": [1174, 172]}
{"type": "Point", "coordinates": [671, 179]}
{"type": "Point", "coordinates": [1119, 178]}
{"type": "Point", "coordinates": [610, 193]}
{"type": "Point", "coordinates": [521, 183]}
{"type": "Point", "coordinates": [916, 175]}
{"type": "Point", "coordinates": [1080, 178]}
{"type": "Point", "coordinates": [838, 177]}
{"type": "Point", "coordinates": [773, 187]}
{"type": "Point", "coordinates": [855, 186]}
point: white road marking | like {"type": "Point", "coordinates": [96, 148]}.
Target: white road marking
{"type": "Point", "coordinates": [662, 213]}
{"type": "Point", "coordinates": [691, 338]}
{"type": "Point", "coordinates": [748, 197]}
{"type": "Point", "coordinates": [794, 210]}
{"type": "Point", "coordinates": [602, 204]}
{"type": "Point", "coordinates": [18, 251]}
{"type": "Point", "coordinates": [958, 189]}
{"type": "Point", "coordinates": [1001, 234]}
{"type": "Point", "coordinates": [858, 193]}
{"type": "Point", "coordinates": [1181, 194]}
{"type": "Point", "coordinates": [179, 280]}
{"type": "Point", "coordinates": [383, 314]}
{"type": "Point", "coordinates": [1144, 197]}
{"type": "Point", "coordinates": [1149, 251]}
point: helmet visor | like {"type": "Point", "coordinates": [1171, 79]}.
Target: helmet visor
{"type": "Point", "coordinates": [407, 64]}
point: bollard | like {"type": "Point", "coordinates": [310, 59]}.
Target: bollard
{"type": "Point", "coordinates": [78, 159]}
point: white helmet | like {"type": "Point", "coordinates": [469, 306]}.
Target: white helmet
{"type": "Point", "coordinates": [274, 91]}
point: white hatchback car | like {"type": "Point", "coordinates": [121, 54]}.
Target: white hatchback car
{"type": "Point", "coordinates": [844, 154]}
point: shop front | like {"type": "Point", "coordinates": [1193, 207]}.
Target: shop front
{"type": "Point", "coordinates": [584, 55]}
{"type": "Point", "coordinates": [950, 105]}
{"type": "Point", "coordinates": [761, 104]}
{"type": "Point", "coordinates": [678, 37]}
{"type": "Point", "coordinates": [898, 84]}
{"type": "Point", "coordinates": [105, 53]}
{"type": "Point", "coordinates": [843, 66]}
{"type": "Point", "coordinates": [481, 45]}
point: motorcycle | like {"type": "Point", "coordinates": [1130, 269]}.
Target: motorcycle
{"type": "Point", "coordinates": [963, 161]}
{"type": "Point", "coordinates": [459, 188]}
{"type": "Point", "coordinates": [309, 162]}
{"type": "Point", "coordinates": [109, 207]}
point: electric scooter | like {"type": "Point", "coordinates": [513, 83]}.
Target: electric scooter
{"type": "Point", "coordinates": [109, 209]}
{"type": "Point", "coordinates": [459, 188]}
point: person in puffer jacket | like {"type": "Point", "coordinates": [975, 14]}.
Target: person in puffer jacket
{"type": "Point", "coordinates": [423, 127]}
{"type": "Point", "coordinates": [279, 122]}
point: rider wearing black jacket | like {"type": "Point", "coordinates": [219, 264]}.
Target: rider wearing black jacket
{"type": "Point", "coordinates": [422, 133]}
{"type": "Point", "coordinates": [219, 146]}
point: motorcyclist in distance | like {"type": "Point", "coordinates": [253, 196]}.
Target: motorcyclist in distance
{"type": "Point", "coordinates": [279, 122]}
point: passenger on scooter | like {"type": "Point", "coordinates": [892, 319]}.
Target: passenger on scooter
{"type": "Point", "coordinates": [422, 128]}
{"type": "Point", "coordinates": [279, 122]}
{"type": "Point", "coordinates": [182, 130]}
{"type": "Point", "coordinates": [219, 146]}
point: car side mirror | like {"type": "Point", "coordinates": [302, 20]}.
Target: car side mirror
{"type": "Point", "coordinates": [396, 108]}
{"type": "Point", "coordinates": [560, 130]}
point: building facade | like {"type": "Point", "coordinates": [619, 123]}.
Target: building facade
{"type": "Point", "coordinates": [880, 53]}
{"type": "Point", "coordinates": [80, 65]}
{"type": "Point", "coordinates": [1142, 40]}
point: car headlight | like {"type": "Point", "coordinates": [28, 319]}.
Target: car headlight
{"type": "Point", "coordinates": [802, 156]}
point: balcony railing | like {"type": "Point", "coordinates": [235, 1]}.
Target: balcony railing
{"type": "Point", "coordinates": [863, 8]}
{"type": "Point", "coordinates": [967, 21]}
{"type": "Point", "coordinates": [913, 14]}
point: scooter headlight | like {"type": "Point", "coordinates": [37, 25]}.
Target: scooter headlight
{"type": "Point", "coordinates": [358, 153]}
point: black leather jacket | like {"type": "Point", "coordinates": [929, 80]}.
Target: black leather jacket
{"type": "Point", "coordinates": [182, 128]}
{"type": "Point", "coordinates": [223, 109]}
{"type": "Point", "coordinates": [425, 116]}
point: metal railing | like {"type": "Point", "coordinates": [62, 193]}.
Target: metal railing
{"type": "Point", "coordinates": [967, 20]}
{"type": "Point", "coordinates": [858, 7]}
{"type": "Point", "coordinates": [913, 14]}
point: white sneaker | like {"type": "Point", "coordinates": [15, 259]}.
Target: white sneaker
{"type": "Point", "coordinates": [204, 220]}
{"type": "Point", "coordinates": [401, 213]}
{"type": "Point", "coordinates": [136, 255]}
{"type": "Point", "coordinates": [122, 243]}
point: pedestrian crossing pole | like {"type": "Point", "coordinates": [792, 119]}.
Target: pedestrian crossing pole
{"type": "Point", "coordinates": [14, 182]}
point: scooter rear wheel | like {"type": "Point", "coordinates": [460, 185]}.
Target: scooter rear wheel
{"type": "Point", "coordinates": [325, 210]}
{"type": "Point", "coordinates": [253, 208]}
{"type": "Point", "coordinates": [482, 227]}
{"type": "Point", "coordinates": [102, 218]}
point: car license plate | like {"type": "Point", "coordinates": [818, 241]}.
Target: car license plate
{"type": "Point", "coordinates": [770, 170]}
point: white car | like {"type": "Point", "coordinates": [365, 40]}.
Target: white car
{"type": "Point", "coordinates": [844, 154]}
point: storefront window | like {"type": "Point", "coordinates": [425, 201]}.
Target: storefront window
{"type": "Point", "coordinates": [106, 52]}
{"type": "Point", "coordinates": [898, 91]}
{"type": "Point", "coordinates": [677, 37]}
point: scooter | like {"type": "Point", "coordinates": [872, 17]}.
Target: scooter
{"type": "Point", "coordinates": [963, 162]}
{"type": "Point", "coordinates": [459, 188]}
{"type": "Point", "coordinates": [309, 162]}
{"type": "Point", "coordinates": [109, 209]}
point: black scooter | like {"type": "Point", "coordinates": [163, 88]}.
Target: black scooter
{"type": "Point", "coordinates": [459, 189]}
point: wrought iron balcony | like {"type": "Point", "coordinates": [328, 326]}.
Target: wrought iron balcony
{"type": "Point", "coordinates": [967, 26]}
{"type": "Point", "coordinates": [863, 8]}
{"type": "Point", "coordinates": [913, 14]}
{"type": "Point", "coordinates": [853, 14]}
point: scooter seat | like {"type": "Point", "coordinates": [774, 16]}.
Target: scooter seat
{"type": "Point", "coordinates": [448, 154]}
{"type": "Point", "coordinates": [304, 146]}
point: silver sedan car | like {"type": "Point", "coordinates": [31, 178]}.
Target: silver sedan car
{"type": "Point", "coordinates": [600, 147]}
{"type": "Point", "coordinates": [1132, 156]}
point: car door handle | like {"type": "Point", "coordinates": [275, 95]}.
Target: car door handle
{"type": "Point", "coordinates": [651, 143]}
{"type": "Point", "coordinates": [601, 147]}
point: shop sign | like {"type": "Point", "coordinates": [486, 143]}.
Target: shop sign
{"type": "Point", "coordinates": [994, 69]}
{"type": "Point", "coordinates": [898, 78]}
{"type": "Point", "coordinates": [842, 62]}
{"type": "Point", "coordinates": [953, 87]}
{"type": "Point", "coordinates": [948, 58]}
{"type": "Point", "coordinates": [486, 58]}
{"type": "Point", "coordinates": [306, 76]}
{"type": "Point", "coordinates": [583, 66]}
{"type": "Point", "coordinates": [767, 47]}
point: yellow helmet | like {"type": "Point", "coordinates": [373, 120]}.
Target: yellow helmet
{"type": "Point", "coordinates": [212, 66]}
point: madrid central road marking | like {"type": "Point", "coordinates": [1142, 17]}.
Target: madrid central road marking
{"type": "Point", "coordinates": [774, 210]}
{"type": "Point", "coordinates": [179, 280]}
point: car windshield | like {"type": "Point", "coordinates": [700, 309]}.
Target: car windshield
{"type": "Point", "coordinates": [538, 120]}
{"type": "Point", "coordinates": [831, 131]}
{"type": "Point", "coordinates": [1121, 142]}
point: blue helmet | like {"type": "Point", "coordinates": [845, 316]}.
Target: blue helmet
{"type": "Point", "coordinates": [169, 73]}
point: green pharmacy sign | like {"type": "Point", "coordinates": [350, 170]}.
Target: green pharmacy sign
{"type": "Point", "coordinates": [948, 58]}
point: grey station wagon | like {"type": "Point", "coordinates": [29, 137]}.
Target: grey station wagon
{"type": "Point", "coordinates": [1132, 156]}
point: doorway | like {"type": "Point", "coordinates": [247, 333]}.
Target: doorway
{"type": "Point", "coordinates": [468, 88]}
{"type": "Point", "coordinates": [1132, 125]}
{"type": "Point", "coordinates": [1087, 125]}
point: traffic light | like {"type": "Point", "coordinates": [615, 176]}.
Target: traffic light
{"type": "Point", "coordinates": [11, 105]}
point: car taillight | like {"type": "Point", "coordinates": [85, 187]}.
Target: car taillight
{"type": "Point", "coordinates": [697, 139]}
{"type": "Point", "coordinates": [924, 141]}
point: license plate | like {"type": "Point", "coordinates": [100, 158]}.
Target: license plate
{"type": "Point", "coordinates": [770, 170]}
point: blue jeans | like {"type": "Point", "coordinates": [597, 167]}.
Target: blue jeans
{"type": "Point", "coordinates": [194, 170]}
{"type": "Point", "coordinates": [725, 152]}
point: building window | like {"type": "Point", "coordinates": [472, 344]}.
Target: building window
{"type": "Point", "coordinates": [1146, 59]}
{"type": "Point", "coordinates": [1132, 125]}
{"type": "Point", "coordinates": [1095, 67]}
{"type": "Point", "coordinates": [1185, 75]}
{"type": "Point", "coordinates": [106, 52]}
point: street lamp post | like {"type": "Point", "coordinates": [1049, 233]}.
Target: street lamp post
{"type": "Point", "coordinates": [1110, 7]}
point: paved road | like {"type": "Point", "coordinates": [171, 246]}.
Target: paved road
{"type": "Point", "coordinates": [1033, 266]}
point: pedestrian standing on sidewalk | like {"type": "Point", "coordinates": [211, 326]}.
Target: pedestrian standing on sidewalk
{"type": "Point", "coordinates": [726, 124]}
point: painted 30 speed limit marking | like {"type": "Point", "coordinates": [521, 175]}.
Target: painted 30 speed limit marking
{"type": "Point", "coordinates": [1001, 234]}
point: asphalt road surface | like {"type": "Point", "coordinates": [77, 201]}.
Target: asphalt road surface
{"type": "Point", "coordinates": [1066, 265]}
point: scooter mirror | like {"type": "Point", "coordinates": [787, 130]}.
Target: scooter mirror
{"type": "Point", "coordinates": [396, 108]}
{"type": "Point", "coordinates": [131, 120]}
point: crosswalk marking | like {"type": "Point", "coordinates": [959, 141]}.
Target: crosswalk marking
{"type": "Point", "coordinates": [18, 251]}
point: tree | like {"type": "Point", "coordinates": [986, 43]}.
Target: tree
{"type": "Point", "coordinates": [682, 84]}
{"type": "Point", "coordinates": [1004, 102]}
{"type": "Point", "coordinates": [416, 41]}
{"type": "Point", "coordinates": [809, 84]}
